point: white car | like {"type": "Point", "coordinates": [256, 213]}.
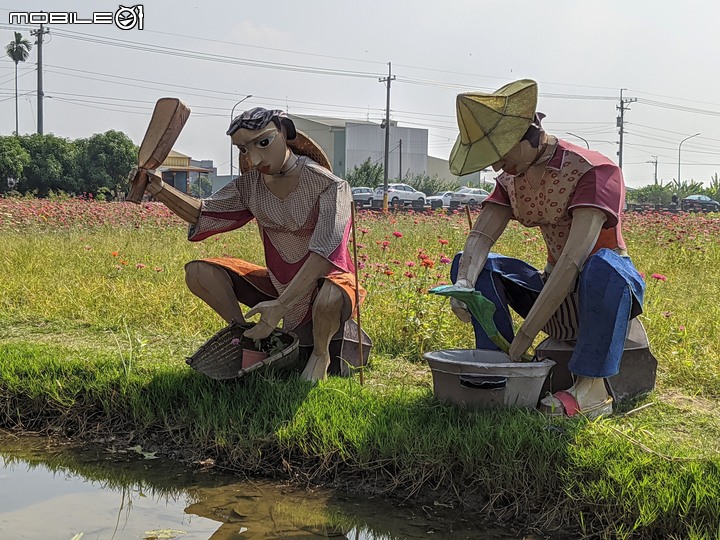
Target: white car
{"type": "Point", "coordinates": [469, 195]}
{"type": "Point", "coordinates": [442, 196]}
{"type": "Point", "coordinates": [400, 194]}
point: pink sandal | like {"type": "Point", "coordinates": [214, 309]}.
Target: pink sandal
{"type": "Point", "coordinates": [571, 408]}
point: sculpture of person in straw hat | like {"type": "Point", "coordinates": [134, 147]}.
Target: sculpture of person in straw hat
{"type": "Point", "coordinates": [304, 217]}
{"type": "Point", "coordinates": [589, 289]}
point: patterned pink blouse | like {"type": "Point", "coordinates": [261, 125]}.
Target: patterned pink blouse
{"type": "Point", "coordinates": [574, 177]}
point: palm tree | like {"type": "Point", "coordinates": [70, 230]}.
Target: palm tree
{"type": "Point", "coordinates": [18, 50]}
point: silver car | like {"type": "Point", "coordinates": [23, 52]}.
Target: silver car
{"type": "Point", "coordinates": [469, 195]}
{"type": "Point", "coordinates": [401, 194]}
{"type": "Point", "coordinates": [363, 195]}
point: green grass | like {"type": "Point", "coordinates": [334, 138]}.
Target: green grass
{"type": "Point", "coordinates": [90, 347]}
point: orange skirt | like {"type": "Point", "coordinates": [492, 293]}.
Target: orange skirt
{"type": "Point", "coordinates": [258, 277]}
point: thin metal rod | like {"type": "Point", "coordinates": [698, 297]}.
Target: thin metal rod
{"type": "Point", "coordinates": [357, 295]}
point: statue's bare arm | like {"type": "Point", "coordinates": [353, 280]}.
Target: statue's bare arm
{"type": "Point", "coordinates": [584, 232]}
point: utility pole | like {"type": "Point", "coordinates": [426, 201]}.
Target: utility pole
{"type": "Point", "coordinates": [387, 79]}
{"type": "Point", "coordinates": [654, 162]}
{"type": "Point", "coordinates": [400, 175]}
{"type": "Point", "coordinates": [39, 34]}
{"type": "Point", "coordinates": [621, 122]}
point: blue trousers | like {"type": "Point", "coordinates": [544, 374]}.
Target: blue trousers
{"type": "Point", "coordinates": [610, 293]}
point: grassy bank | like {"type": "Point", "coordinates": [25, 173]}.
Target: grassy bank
{"type": "Point", "coordinates": [96, 322]}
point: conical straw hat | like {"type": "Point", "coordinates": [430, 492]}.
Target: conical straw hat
{"type": "Point", "coordinates": [491, 124]}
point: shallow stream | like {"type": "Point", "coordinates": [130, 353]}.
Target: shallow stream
{"type": "Point", "coordinates": [51, 490]}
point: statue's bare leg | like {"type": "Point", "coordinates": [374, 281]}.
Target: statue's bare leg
{"type": "Point", "coordinates": [213, 286]}
{"type": "Point", "coordinates": [326, 314]}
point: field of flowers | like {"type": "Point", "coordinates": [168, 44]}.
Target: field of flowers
{"type": "Point", "coordinates": [96, 321]}
{"type": "Point", "coordinates": [117, 266]}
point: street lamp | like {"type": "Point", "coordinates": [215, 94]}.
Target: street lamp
{"type": "Point", "coordinates": [579, 137]}
{"type": "Point", "coordinates": [679, 147]}
{"type": "Point", "coordinates": [232, 115]}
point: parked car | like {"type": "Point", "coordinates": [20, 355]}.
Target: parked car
{"type": "Point", "coordinates": [400, 193]}
{"type": "Point", "coordinates": [469, 195]}
{"type": "Point", "coordinates": [363, 195]}
{"type": "Point", "coordinates": [702, 203]}
{"type": "Point", "coordinates": [442, 196]}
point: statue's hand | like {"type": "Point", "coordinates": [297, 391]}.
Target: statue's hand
{"type": "Point", "coordinates": [270, 314]}
{"type": "Point", "coordinates": [458, 307]}
{"type": "Point", "coordinates": [460, 310]}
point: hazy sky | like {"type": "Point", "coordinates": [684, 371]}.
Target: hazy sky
{"type": "Point", "coordinates": [325, 58]}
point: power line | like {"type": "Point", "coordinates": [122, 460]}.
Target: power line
{"type": "Point", "coordinates": [183, 53]}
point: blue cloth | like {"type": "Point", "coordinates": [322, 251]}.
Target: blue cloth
{"type": "Point", "coordinates": [610, 293]}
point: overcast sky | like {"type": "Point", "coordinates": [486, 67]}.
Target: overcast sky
{"type": "Point", "coordinates": [325, 58]}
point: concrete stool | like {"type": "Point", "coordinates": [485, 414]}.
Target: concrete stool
{"type": "Point", "coordinates": [638, 366]}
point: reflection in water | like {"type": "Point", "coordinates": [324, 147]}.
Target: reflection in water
{"type": "Point", "coordinates": [54, 491]}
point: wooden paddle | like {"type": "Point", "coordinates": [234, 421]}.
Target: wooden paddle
{"type": "Point", "coordinates": [167, 122]}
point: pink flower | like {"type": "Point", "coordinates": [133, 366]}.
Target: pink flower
{"type": "Point", "coordinates": [397, 234]}
{"type": "Point", "coordinates": [410, 264]}
{"type": "Point", "coordinates": [409, 275]}
{"type": "Point", "coordinates": [235, 341]}
{"type": "Point", "coordinates": [139, 266]}
{"type": "Point", "coordinates": [659, 277]}
{"type": "Point", "coordinates": [158, 269]}
{"type": "Point", "coordinates": [443, 242]}
{"type": "Point", "coordinates": [445, 260]}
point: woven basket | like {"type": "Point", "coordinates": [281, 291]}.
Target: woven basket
{"type": "Point", "coordinates": [219, 358]}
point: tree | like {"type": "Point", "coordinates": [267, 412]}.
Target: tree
{"type": "Point", "coordinates": [13, 159]}
{"type": "Point", "coordinates": [430, 184]}
{"type": "Point", "coordinates": [52, 165]}
{"type": "Point", "coordinates": [366, 175]}
{"type": "Point", "coordinates": [104, 161]}
{"type": "Point", "coordinates": [18, 50]}
{"type": "Point", "coordinates": [202, 187]}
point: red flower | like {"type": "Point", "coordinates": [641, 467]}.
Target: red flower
{"type": "Point", "coordinates": [443, 242]}
{"type": "Point", "coordinates": [659, 277]}
{"type": "Point", "coordinates": [397, 234]}
{"type": "Point", "coordinates": [115, 254]}
{"type": "Point", "coordinates": [409, 275]}
{"type": "Point", "coordinates": [445, 260]}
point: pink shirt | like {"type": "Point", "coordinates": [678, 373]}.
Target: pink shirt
{"type": "Point", "coordinates": [573, 178]}
{"type": "Point", "coordinates": [313, 218]}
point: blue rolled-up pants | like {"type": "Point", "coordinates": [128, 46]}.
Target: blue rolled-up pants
{"type": "Point", "coordinates": [609, 293]}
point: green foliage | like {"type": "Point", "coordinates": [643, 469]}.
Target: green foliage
{"type": "Point", "coordinates": [52, 166]}
{"type": "Point", "coordinates": [13, 159]}
{"type": "Point", "coordinates": [662, 193]}
{"type": "Point", "coordinates": [98, 165]}
{"type": "Point", "coordinates": [104, 161]}
{"type": "Point", "coordinates": [18, 50]}
{"type": "Point", "coordinates": [366, 175]}
{"type": "Point", "coordinates": [430, 185]}
{"type": "Point", "coordinates": [202, 187]}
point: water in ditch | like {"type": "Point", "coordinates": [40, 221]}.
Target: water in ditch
{"type": "Point", "coordinates": [52, 490]}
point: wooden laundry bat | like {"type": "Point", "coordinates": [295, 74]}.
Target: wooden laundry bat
{"type": "Point", "coordinates": [167, 122]}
